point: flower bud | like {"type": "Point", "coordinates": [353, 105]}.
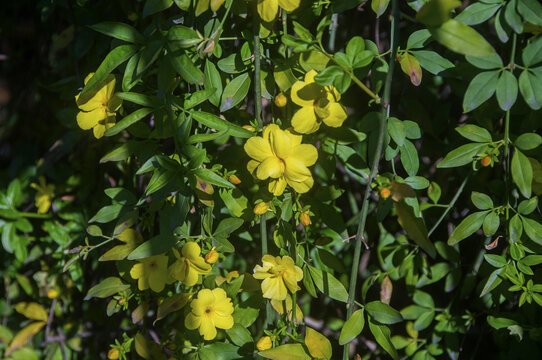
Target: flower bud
{"type": "Point", "coordinates": [52, 294]}
{"type": "Point", "coordinates": [264, 343]}
{"type": "Point", "coordinates": [304, 218]}
{"type": "Point", "coordinates": [249, 127]}
{"type": "Point", "coordinates": [113, 354]}
{"type": "Point", "coordinates": [211, 257]}
{"type": "Point", "coordinates": [281, 100]}
{"type": "Point", "coordinates": [385, 193]}
{"type": "Point", "coordinates": [486, 161]}
{"type": "Point", "coordinates": [234, 179]}
{"type": "Point", "coordinates": [262, 208]}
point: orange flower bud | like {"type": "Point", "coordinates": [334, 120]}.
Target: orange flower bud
{"type": "Point", "coordinates": [281, 100]}
{"type": "Point", "coordinates": [113, 354]}
{"type": "Point", "coordinates": [304, 218]}
{"type": "Point", "coordinates": [264, 343]}
{"type": "Point", "coordinates": [385, 193]}
{"type": "Point", "coordinates": [234, 179]}
{"type": "Point", "coordinates": [262, 208]}
{"type": "Point", "coordinates": [211, 257]}
{"type": "Point", "coordinates": [486, 161]}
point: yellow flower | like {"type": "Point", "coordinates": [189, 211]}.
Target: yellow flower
{"type": "Point", "coordinates": [44, 195]}
{"type": "Point", "coordinates": [229, 277]}
{"type": "Point", "coordinates": [279, 307]}
{"type": "Point", "coordinates": [264, 343]}
{"type": "Point", "coordinates": [268, 9]}
{"type": "Point", "coordinates": [98, 107]}
{"type": "Point", "coordinates": [318, 103]}
{"type": "Point", "coordinates": [203, 5]}
{"type": "Point", "coordinates": [279, 155]}
{"type": "Point", "coordinates": [113, 354]}
{"type": "Point", "coordinates": [151, 272]}
{"type": "Point", "coordinates": [261, 208]}
{"type": "Point", "coordinates": [188, 267]}
{"type": "Point", "coordinates": [212, 309]}
{"type": "Point", "coordinates": [278, 274]}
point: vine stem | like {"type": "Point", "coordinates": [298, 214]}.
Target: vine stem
{"type": "Point", "coordinates": [385, 112]}
{"type": "Point", "coordinates": [511, 65]}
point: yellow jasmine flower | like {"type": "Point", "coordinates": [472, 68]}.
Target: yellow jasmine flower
{"type": "Point", "coordinates": [268, 9]}
{"type": "Point", "coordinates": [188, 267]}
{"type": "Point", "coordinates": [203, 5]}
{"type": "Point", "coordinates": [229, 277]}
{"type": "Point", "coordinates": [212, 309]}
{"type": "Point", "coordinates": [98, 107]}
{"type": "Point", "coordinates": [279, 155]}
{"type": "Point", "coordinates": [151, 272]}
{"type": "Point", "coordinates": [318, 103]}
{"type": "Point", "coordinates": [279, 275]}
{"type": "Point", "coordinates": [44, 195]}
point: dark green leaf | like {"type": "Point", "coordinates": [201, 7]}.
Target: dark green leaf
{"type": "Point", "coordinates": [533, 229]}
{"type": "Point", "coordinates": [235, 92]}
{"type": "Point", "coordinates": [213, 81]}
{"type": "Point", "coordinates": [522, 173]}
{"type": "Point", "coordinates": [491, 223]}
{"type": "Point", "coordinates": [107, 213]}
{"type": "Point", "coordinates": [382, 337]}
{"type": "Point", "coordinates": [352, 327]}
{"type": "Point", "coordinates": [212, 178]}
{"type": "Point", "coordinates": [119, 31]}
{"type": "Point", "coordinates": [432, 61]}
{"type": "Point", "coordinates": [109, 286]}
{"type": "Point", "coordinates": [462, 39]}
{"type": "Point", "coordinates": [531, 10]}
{"type": "Point", "coordinates": [481, 201]}
{"type": "Point", "coordinates": [186, 68]}
{"type": "Point", "coordinates": [528, 141]}
{"type": "Point", "coordinates": [214, 122]}
{"type": "Point", "coordinates": [154, 6]}
{"type": "Point", "coordinates": [128, 120]}
{"type": "Point", "coordinates": [507, 90]}
{"type": "Point", "coordinates": [474, 133]}
{"type": "Point", "coordinates": [328, 284]}
{"type": "Point", "coordinates": [140, 99]}
{"type": "Point", "coordinates": [154, 246]}
{"type": "Point", "coordinates": [477, 13]}
{"type": "Point", "coordinates": [461, 156]}
{"type": "Point", "coordinates": [530, 87]}
{"type": "Point", "coordinates": [383, 313]}
{"type": "Point", "coordinates": [183, 36]}
{"type": "Point", "coordinates": [409, 158]}
{"type": "Point", "coordinates": [480, 89]}
{"type": "Point", "coordinates": [467, 227]}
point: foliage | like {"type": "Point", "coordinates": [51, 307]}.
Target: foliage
{"type": "Point", "coordinates": [278, 179]}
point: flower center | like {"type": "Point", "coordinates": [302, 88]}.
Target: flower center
{"type": "Point", "coordinates": [208, 310]}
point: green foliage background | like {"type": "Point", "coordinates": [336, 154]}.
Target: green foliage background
{"type": "Point", "coordinates": [471, 288]}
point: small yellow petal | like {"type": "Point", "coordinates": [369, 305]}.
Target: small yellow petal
{"type": "Point", "coordinates": [295, 170]}
{"type": "Point", "coordinates": [274, 288]}
{"type": "Point", "coordinates": [304, 120]}
{"type": "Point", "coordinates": [258, 148]}
{"type": "Point", "coordinates": [302, 187]}
{"type": "Point", "coordinates": [289, 5]}
{"type": "Point", "coordinates": [306, 153]}
{"type": "Point", "coordinates": [276, 187]}
{"type": "Point", "coordinates": [268, 9]}
{"type": "Point", "coordinates": [223, 322]}
{"type": "Point", "coordinates": [88, 120]}
{"type": "Point", "coordinates": [192, 322]}
{"type": "Point", "coordinates": [337, 115]}
{"type": "Point", "coordinates": [207, 329]}
{"type": "Point", "coordinates": [280, 143]}
{"type": "Point", "coordinates": [270, 167]}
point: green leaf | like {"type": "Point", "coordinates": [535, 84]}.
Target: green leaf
{"type": "Point", "coordinates": [379, 6]}
{"type": "Point", "coordinates": [522, 173]}
{"type": "Point", "coordinates": [235, 92]}
{"type": "Point", "coordinates": [186, 68]}
{"type": "Point", "coordinates": [481, 201]}
{"type": "Point", "coordinates": [531, 10]}
{"type": "Point", "coordinates": [423, 299]}
{"type": "Point", "coordinates": [211, 177]}
{"type": "Point", "coordinates": [528, 206]}
{"type": "Point", "coordinates": [199, 138]}
{"type": "Point", "coordinates": [497, 261]}
{"type": "Point", "coordinates": [434, 192]}
{"type": "Point", "coordinates": [414, 226]}
{"type": "Point", "coordinates": [478, 12]}
{"type": "Point", "coordinates": [154, 6]}
{"type": "Point", "coordinates": [491, 223]}
{"type": "Point", "coordinates": [198, 97]}
{"type": "Point", "coordinates": [486, 62]}
{"type": "Point", "coordinates": [432, 61]}
{"type": "Point", "coordinates": [530, 86]}
{"type": "Point", "coordinates": [417, 182]}
{"type": "Point", "coordinates": [528, 141]}
{"type": "Point", "coordinates": [462, 39]}
{"type": "Point", "coordinates": [382, 337]}
{"type": "Point", "coordinates": [119, 31]}
{"type": "Point", "coordinates": [436, 12]}
{"type": "Point", "coordinates": [107, 213]}
{"type": "Point", "coordinates": [214, 122]}
{"type": "Point", "coordinates": [213, 81]}
{"type": "Point", "coordinates": [480, 89]}
{"type": "Point", "coordinates": [515, 228]}
{"type": "Point", "coordinates": [115, 57]}
{"type": "Point", "coordinates": [500, 323]}
{"type": "Point", "coordinates": [396, 130]}
{"type": "Point", "coordinates": [313, 60]}
{"type": "Point", "coordinates": [383, 313]}
{"type": "Point", "coordinates": [512, 16]}
{"type": "Point", "coordinates": [492, 282]}
{"type": "Point", "coordinates": [418, 38]}
{"type": "Point", "coordinates": [128, 120]}
{"type": "Point", "coordinates": [284, 77]}
{"type": "Point", "coordinates": [409, 158]}
{"type": "Point", "coordinates": [239, 335]}
{"type": "Point", "coordinates": [423, 321]}
{"type": "Point", "coordinates": [533, 229]}
{"type": "Point", "coordinates": [352, 327]}
{"type": "Point", "coordinates": [219, 351]}
{"type": "Point", "coordinates": [467, 227]}
{"type": "Point", "coordinates": [183, 36]}
{"type": "Point", "coordinates": [507, 90]}
{"type": "Point", "coordinates": [474, 133]}
{"type": "Point", "coordinates": [154, 246]}
{"type": "Point", "coordinates": [328, 284]}
{"type": "Point", "coordinates": [532, 260]}
{"type": "Point", "coordinates": [286, 352]}
{"type": "Point", "coordinates": [140, 99]}
{"type": "Point", "coordinates": [532, 53]}
{"type": "Point", "coordinates": [107, 287]}
{"type": "Point", "coordinates": [461, 156]}
{"type": "Point", "coordinates": [227, 226]}
{"type": "Point", "coordinates": [319, 346]}
{"type": "Point", "coordinates": [171, 304]}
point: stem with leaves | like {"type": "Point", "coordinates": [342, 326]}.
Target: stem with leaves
{"type": "Point", "coordinates": [507, 173]}
{"type": "Point", "coordinates": [384, 114]}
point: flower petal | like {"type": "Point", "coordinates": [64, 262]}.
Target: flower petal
{"type": "Point", "coordinates": [302, 187]}
{"type": "Point", "coordinates": [304, 120]}
{"type": "Point", "coordinates": [252, 165]}
{"type": "Point", "coordinates": [276, 187]}
{"type": "Point", "coordinates": [191, 250]}
{"type": "Point", "coordinates": [268, 9]}
{"type": "Point", "coordinates": [192, 321]}
{"type": "Point", "coordinates": [337, 115]}
{"type": "Point", "coordinates": [304, 93]}
{"type": "Point", "coordinates": [280, 142]}
{"type": "Point", "coordinates": [305, 153]}
{"type": "Point", "coordinates": [295, 170]}
{"type": "Point", "coordinates": [223, 322]}
{"type": "Point", "coordinates": [157, 280]}
{"type": "Point", "coordinates": [206, 297]}
{"type": "Point", "coordinates": [274, 288]}
{"type": "Point", "coordinates": [270, 167]}
{"type": "Point", "coordinates": [258, 148]}
{"type": "Point", "coordinates": [289, 5]}
{"type": "Point", "coordinates": [88, 120]}
{"type": "Point", "coordinates": [137, 271]}
{"type": "Point", "coordinates": [114, 103]}
{"type": "Point", "coordinates": [207, 329]}
{"type": "Point", "coordinates": [309, 77]}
